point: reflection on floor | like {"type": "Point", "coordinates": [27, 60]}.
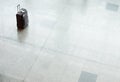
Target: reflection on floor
{"type": "Point", "coordinates": [66, 41]}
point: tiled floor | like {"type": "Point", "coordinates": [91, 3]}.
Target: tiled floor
{"type": "Point", "coordinates": [66, 41]}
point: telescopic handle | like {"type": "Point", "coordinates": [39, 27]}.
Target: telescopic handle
{"type": "Point", "coordinates": [18, 7]}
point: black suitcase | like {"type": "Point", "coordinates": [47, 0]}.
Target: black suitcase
{"type": "Point", "coordinates": [22, 18]}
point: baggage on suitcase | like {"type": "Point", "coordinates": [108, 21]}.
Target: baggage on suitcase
{"type": "Point", "coordinates": [22, 18]}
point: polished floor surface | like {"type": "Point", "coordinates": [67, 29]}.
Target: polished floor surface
{"type": "Point", "coordinates": [66, 41]}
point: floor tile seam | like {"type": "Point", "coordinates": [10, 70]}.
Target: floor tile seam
{"type": "Point", "coordinates": [49, 36]}
{"type": "Point", "coordinates": [92, 50]}
{"type": "Point", "coordinates": [30, 69]}
{"type": "Point", "coordinates": [16, 42]}
{"type": "Point", "coordinates": [83, 58]}
{"type": "Point", "coordinates": [64, 53]}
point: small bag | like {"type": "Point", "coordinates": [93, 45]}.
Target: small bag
{"type": "Point", "coordinates": [21, 17]}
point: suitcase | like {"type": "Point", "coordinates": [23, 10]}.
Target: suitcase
{"type": "Point", "coordinates": [22, 18]}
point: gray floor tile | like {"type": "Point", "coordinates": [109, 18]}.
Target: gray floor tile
{"type": "Point", "coordinates": [112, 7]}
{"type": "Point", "coordinates": [87, 77]}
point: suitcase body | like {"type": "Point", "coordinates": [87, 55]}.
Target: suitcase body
{"type": "Point", "coordinates": [22, 18]}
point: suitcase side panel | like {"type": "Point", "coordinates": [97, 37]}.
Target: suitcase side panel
{"type": "Point", "coordinates": [25, 16]}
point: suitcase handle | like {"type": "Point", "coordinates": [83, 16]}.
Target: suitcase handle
{"type": "Point", "coordinates": [18, 7]}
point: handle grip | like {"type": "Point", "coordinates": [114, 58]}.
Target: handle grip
{"type": "Point", "coordinates": [18, 7]}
